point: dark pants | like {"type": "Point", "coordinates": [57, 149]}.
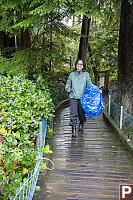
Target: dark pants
{"type": "Point", "coordinates": [76, 111]}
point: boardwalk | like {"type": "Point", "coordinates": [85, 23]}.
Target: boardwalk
{"type": "Point", "coordinates": [90, 166]}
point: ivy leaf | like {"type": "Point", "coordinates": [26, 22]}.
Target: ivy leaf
{"type": "Point", "coordinates": [46, 149]}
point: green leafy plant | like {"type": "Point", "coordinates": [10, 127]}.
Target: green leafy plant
{"type": "Point", "coordinates": [22, 106]}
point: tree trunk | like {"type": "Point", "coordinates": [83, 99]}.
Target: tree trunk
{"type": "Point", "coordinates": [73, 22]}
{"type": "Point", "coordinates": [125, 57]}
{"type": "Point", "coordinates": [6, 41]}
{"type": "Point", "coordinates": [51, 45]}
{"type": "Point", "coordinates": [24, 40]}
{"type": "Point", "coordinates": [83, 46]}
{"type": "Point", "coordinates": [2, 46]}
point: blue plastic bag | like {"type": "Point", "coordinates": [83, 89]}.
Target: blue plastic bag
{"type": "Point", "coordinates": [92, 101]}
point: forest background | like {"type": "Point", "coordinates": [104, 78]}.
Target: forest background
{"type": "Point", "coordinates": [38, 50]}
{"type": "Point", "coordinates": [34, 40]}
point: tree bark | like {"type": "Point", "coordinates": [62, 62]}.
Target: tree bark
{"type": "Point", "coordinates": [125, 57]}
{"type": "Point", "coordinates": [2, 45]}
{"type": "Point", "coordinates": [24, 40]}
{"type": "Point", "coordinates": [51, 46]}
{"type": "Point", "coordinates": [6, 41]}
{"type": "Point", "coordinates": [83, 46]}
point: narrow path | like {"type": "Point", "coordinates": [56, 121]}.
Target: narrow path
{"type": "Point", "coordinates": [90, 166]}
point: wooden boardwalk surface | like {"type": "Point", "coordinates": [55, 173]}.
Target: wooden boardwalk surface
{"type": "Point", "coordinates": [90, 166]}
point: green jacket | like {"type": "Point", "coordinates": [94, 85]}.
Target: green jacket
{"type": "Point", "coordinates": [78, 83]}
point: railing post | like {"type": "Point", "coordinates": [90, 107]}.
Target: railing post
{"type": "Point", "coordinates": [109, 104]}
{"type": "Point", "coordinates": [121, 117]}
{"type": "Point", "coordinates": [106, 81]}
{"type": "Point", "coordinates": [70, 62]}
{"type": "Point", "coordinates": [96, 74]}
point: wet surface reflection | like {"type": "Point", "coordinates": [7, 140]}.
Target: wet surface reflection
{"type": "Point", "coordinates": [90, 166]}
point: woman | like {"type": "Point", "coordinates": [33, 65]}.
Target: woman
{"type": "Point", "coordinates": [76, 84]}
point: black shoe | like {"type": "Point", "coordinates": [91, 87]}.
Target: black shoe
{"type": "Point", "coordinates": [73, 131]}
{"type": "Point", "coordinates": [81, 127]}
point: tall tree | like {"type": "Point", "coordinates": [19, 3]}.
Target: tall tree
{"type": "Point", "coordinates": [6, 41]}
{"type": "Point", "coordinates": [83, 46]}
{"type": "Point", "coordinates": [23, 40]}
{"type": "Point", "coordinates": [125, 56]}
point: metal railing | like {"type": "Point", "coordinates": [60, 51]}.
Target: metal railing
{"type": "Point", "coordinates": [27, 189]}
{"type": "Point", "coordinates": [123, 119]}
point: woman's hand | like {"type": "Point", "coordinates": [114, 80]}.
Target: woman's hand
{"type": "Point", "coordinates": [68, 89]}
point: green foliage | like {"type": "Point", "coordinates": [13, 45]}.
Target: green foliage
{"type": "Point", "coordinates": [25, 96]}
{"type": "Point", "coordinates": [52, 42]}
{"type": "Point", "coordinates": [131, 2]}
{"type": "Point", "coordinates": [103, 40]}
{"type": "Point", "coordinates": [59, 93]}
{"type": "Point", "coordinates": [46, 149]}
{"type": "Point", "coordinates": [22, 105]}
{"type": "Point", "coordinates": [19, 63]}
{"type": "Point", "coordinates": [36, 14]}
{"type": "Point", "coordinates": [22, 102]}
{"type": "Point", "coordinates": [38, 58]}
{"type": "Point", "coordinates": [55, 81]}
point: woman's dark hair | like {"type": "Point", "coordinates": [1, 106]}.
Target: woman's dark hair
{"type": "Point", "coordinates": [84, 65]}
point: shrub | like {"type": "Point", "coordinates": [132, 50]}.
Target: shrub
{"type": "Point", "coordinates": [55, 82]}
{"type": "Point", "coordinates": [22, 105]}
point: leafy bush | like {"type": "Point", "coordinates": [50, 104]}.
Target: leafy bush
{"type": "Point", "coordinates": [55, 82]}
{"type": "Point", "coordinates": [58, 93]}
{"type": "Point", "coordinates": [22, 61]}
{"type": "Point", "coordinates": [22, 105]}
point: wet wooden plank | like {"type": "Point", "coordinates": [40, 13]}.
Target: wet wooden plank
{"type": "Point", "coordinates": [90, 166]}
